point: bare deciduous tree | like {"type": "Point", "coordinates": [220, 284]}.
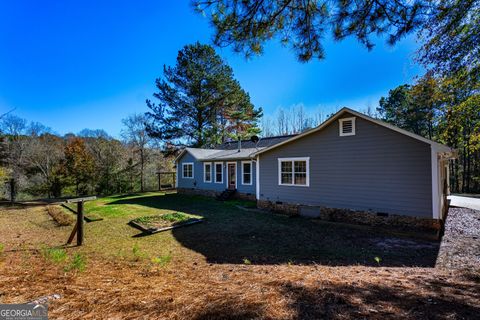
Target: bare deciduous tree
{"type": "Point", "coordinates": [135, 135]}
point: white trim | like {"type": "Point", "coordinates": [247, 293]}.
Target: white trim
{"type": "Point", "coordinates": [435, 186]}
{"type": "Point", "coordinates": [257, 180]}
{"type": "Point", "coordinates": [183, 170]}
{"type": "Point", "coordinates": [180, 155]}
{"type": "Point", "coordinates": [205, 172]}
{"type": "Point", "coordinates": [215, 166]}
{"type": "Point", "coordinates": [340, 126]}
{"type": "Point", "coordinates": [251, 173]}
{"type": "Point", "coordinates": [306, 159]}
{"type": "Point", "coordinates": [177, 175]}
{"type": "Point", "coordinates": [438, 146]}
{"type": "Point", "coordinates": [236, 178]}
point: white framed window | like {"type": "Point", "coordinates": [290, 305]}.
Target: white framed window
{"type": "Point", "coordinates": [347, 126]}
{"type": "Point", "coordinates": [218, 172]}
{"type": "Point", "coordinates": [247, 172]}
{"type": "Point", "coordinates": [207, 172]}
{"type": "Point", "coordinates": [187, 170]}
{"type": "Point", "coordinates": [294, 171]}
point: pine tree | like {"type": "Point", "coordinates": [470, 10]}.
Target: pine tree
{"type": "Point", "coordinates": [199, 101]}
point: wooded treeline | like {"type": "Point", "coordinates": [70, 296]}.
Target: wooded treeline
{"type": "Point", "coordinates": [45, 164]}
{"type": "Point", "coordinates": [445, 109]}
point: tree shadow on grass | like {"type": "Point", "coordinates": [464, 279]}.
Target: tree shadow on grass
{"type": "Point", "coordinates": [231, 235]}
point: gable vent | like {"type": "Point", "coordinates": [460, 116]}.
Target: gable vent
{"type": "Point", "coordinates": [347, 126]}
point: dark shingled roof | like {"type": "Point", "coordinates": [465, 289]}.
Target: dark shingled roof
{"type": "Point", "coordinates": [262, 143]}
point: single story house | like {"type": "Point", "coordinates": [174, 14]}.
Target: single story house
{"type": "Point", "coordinates": [351, 164]}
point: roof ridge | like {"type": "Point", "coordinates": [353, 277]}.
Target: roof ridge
{"type": "Point", "coordinates": [387, 125]}
{"type": "Point", "coordinates": [263, 138]}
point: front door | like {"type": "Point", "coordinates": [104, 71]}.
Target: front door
{"type": "Point", "coordinates": [231, 175]}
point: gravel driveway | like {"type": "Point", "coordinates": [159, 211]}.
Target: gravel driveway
{"type": "Point", "coordinates": [460, 246]}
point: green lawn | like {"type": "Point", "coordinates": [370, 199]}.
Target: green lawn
{"type": "Point", "coordinates": [231, 235]}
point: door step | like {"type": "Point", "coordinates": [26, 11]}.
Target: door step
{"type": "Point", "coordinates": [226, 194]}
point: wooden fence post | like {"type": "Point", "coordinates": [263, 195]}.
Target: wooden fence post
{"type": "Point", "coordinates": [12, 190]}
{"type": "Point", "coordinates": [79, 223]}
{"type": "Point", "coordinates": [78, 229]}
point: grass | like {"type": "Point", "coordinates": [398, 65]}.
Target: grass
{"type": "Point", "coordinates": [54, 255]}
{"type": "Point", "coordinates": [138, 254]}
{"type": "Point", "coordinates": [59, 256]}
{"type": "Point", "coordinates": [122, 206]}
{"type": "Point", "coordinates": [78, 263]}
{"type": "Point", "coordinates": [231, 234]}
{"type": "Point", "coordinates": [242, 203]}
{"type": "Point", "coordinates": [228, 235]}
{"type": "Point", "coordinates": [162, 261]}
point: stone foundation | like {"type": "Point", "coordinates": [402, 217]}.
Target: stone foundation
{"type": "Point", "coordinates": [198, 192]}
{"type": "Point", "coordinates": [353, 216]}
{"type": "Point", "coordinates": [244, 196]}
{"type": "Point", "coordinates": [287, 208]}
{"type": "Point", "coordinates": [212, 193]}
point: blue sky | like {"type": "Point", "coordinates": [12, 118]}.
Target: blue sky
{"type": "Point", "coordinates": [87, 64]}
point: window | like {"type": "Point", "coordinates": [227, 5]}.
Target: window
{"type": "Point", "coordinates": [207, 172]}
{"type": "Point", "coordinates": [347, 126]}
{"type": "Point", "coordinates": [218, 172]}
{"type": "Point", "coordinates": [188, 170]}
{"type": "Point", "coordinates": [294, 171]}
{"type": "Point", "coordinates": [247, 172]}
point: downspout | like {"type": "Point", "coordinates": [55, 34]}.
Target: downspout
{"type": "Point", "coordinates": [257, 178]}
{"type": "Point", "coordinates": [435, 187]}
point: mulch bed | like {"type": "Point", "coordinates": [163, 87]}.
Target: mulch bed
{"type": "Point", "coordinates": [460, 247]}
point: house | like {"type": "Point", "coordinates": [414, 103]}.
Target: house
{"type": "Point", "coordinates": [352, 167]}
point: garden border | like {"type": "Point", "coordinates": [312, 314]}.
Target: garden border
{"type": "Point", "coordinates": [156, 230]}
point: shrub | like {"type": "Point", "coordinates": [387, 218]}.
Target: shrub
{"type": "Point", "coordinates": [246, 261]}
{"type": "Point", "coordinates": [2, 248]}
